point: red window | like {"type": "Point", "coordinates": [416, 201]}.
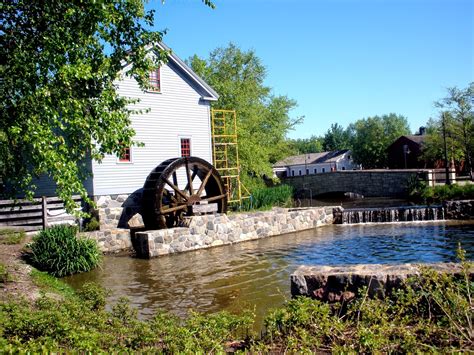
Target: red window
{"type": "Point", "coordinates": [185, 147]}
{"type": "Point", "coordinates": [125, 155]}
{"type": "Point", "coordinates": [154, 80]}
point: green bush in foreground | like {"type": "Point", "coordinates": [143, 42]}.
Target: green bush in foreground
{"type": "Point", "coordinates": [432, 313]}
{"type": "Point", "coordinates": [60, 252]}
{"type": "Point", "coordinates": [268, 197]}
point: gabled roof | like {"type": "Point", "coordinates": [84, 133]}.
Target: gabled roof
{"type": "Point", "coordinates": [311, 158]}
{"type": "Point", "coordinates": [209, 93]}
{"type": "Point", "coordinates": [417, 139]}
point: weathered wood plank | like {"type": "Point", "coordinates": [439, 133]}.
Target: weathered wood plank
{"type": "Point", "coordinates": [19, 202]}
{"type": "Point", "coordinates": [61, 219]}
{"type": "Point", "coordinates": [57, 199]}
{"type": "Point", "coordinates": [20, 215]}
{"type": "Point", "coordinates": [22, 208]}
{"type": "Point", "coordinates": [22, 222]}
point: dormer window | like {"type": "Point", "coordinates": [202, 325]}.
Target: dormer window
{"type": "Point", "coordinates": [154, 80]}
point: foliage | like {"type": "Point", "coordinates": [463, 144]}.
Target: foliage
{"type": "Point", "coordinates": [92, 225]}
{"type": "Point", "coordinates": [437, 194]}
{"type": "Point", "coordinates": [81, 324]}
{"type": "Point", "coordinates": [262, 118]}
{"type": "Point", "coordinates": [336, 138]}
{"type": "Point", "coordinates": [432, 312]}
{"type": "Point", "coordinates": [370, 138]}
{"type": "Point", "coordinates": [456, 121]}
{"type": "Point", "coordinates": [313, 144]}
{"type": "Point", "coordinates": [268, 197]}
{"type": "Point", "coordinates": [4, 274]}
{"type": "Point", "coordinates": [60, 107]}
{"type": "Point", "coordinates": [60, 252]}
{"type": "Point", "coordinates": [9, 236]}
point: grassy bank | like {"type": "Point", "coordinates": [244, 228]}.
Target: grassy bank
{"type": "Point", "coordinates": [433, 313]}
{"type": "Point", "coordinates": [436, 194]}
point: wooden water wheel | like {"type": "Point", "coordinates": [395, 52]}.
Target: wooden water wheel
{"type": "Point", "coordinates": [179, 187]}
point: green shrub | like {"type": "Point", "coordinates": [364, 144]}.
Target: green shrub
{"type": "Point", "coordinates": [4, 274]}
{"type": "Point", "coordinates": [268, 197]}
{"type": "Point", "coordinates": [9, 236]}
{"type": "Point", "coordinates": [440, 193]}
{"type": "Point", "coordinates": [60, 252]}
{"type": "Point", "coordinates": [92, 225]}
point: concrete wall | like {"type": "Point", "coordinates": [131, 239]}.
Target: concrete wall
{"type": "Point", "coordinates": [369, 183]}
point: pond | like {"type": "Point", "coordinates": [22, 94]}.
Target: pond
{"type": "Point", "coordinates": [256, 274]}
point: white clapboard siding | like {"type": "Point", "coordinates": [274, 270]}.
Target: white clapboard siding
{"type": "Point", "coordinates": [178, 111]}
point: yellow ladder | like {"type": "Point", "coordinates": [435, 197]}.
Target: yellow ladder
{"type": "Point", "coordinates": [226, 153]}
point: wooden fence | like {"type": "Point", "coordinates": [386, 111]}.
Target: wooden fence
{"type": "Point", "coordinates": [36, 214]}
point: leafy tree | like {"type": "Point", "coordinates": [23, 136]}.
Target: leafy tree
{"type": "Point", "coordinates": [458, 106]}
{"type": "Point", "coordinates": [433, 148]}
{"type": "Point", "coordinates": [263, 118]}
{"type": "Point", "coordinates": [313, 144]}
{"type": "Point", "coordinates": [370, 138]}
{"type": "Point", "coordinates": [60, 60]}
{"type": "Point", "coordinates": [336, 138]}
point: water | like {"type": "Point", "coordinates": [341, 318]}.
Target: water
{"type": "Point", "coordinates": [256, 274]}
{"type": "Point", "coordinates": [393, 214]}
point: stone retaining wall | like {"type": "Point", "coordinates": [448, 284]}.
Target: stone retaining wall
{"type": "Point", "coordinates": [111, 240]}
{"type": "Point", "coordinates": [341, 283]}
{"type": "Point", "coordinates": [461, 209]}
{"type": "Point", "coordinates": [114, 211]}
{"type": "Point", "coordinates": [213, 230]}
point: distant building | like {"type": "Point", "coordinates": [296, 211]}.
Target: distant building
{"type": "Point", "coordinates": [406, 151]}
{"type": "Point", "coordinates": [315, 163]}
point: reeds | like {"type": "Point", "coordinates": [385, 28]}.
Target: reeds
{"type": "Point", "coordinates": [266, 198]}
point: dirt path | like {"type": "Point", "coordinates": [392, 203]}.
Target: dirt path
{"type": "Point", "coordinates": [19, 282]}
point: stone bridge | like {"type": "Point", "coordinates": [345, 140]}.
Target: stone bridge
{"type": "Point", "coordinates": [369, 183]}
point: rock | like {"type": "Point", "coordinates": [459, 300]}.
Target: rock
{"type": "Point", "coordinates": [136, 221]}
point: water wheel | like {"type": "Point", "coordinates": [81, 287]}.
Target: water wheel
{"type": "Point", "coordinates": [175, 187]}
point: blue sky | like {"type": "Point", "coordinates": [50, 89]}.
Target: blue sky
{"type": "Point", "coordinates": [341, 60]}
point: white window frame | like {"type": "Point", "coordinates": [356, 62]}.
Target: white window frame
{"type": "Point", "coordinates": [161, 82]}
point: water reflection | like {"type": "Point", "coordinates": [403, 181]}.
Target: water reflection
{"type": "Point", "coordinates": [256, 274]}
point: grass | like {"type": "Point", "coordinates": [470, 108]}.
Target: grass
{"type": "Point", "coordinates": [268, 197]}
{"type": "Point", "coordinates": [4, 275]}
{"type": "Point", "coordinates": [10, 236]}
{"type": "Point", "coordinates": [51, 284]}
{"type": "Point", "coordinates": [431, 313]}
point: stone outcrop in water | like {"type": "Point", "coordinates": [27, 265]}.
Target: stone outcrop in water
{"type": "Point", "coordinates": [342, 283]}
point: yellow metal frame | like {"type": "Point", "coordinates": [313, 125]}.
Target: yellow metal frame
{"type": "Point", "coordinates": [225, 153]}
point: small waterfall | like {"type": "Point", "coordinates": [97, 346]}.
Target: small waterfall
{"type": "Point", "coordinates": [393, 214]}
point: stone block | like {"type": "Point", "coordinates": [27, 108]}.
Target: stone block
{"type": "Point", "coordinates": [136, 221]}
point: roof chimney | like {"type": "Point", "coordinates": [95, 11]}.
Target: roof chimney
{"type": "Point", "coordinates": [422, 131]}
